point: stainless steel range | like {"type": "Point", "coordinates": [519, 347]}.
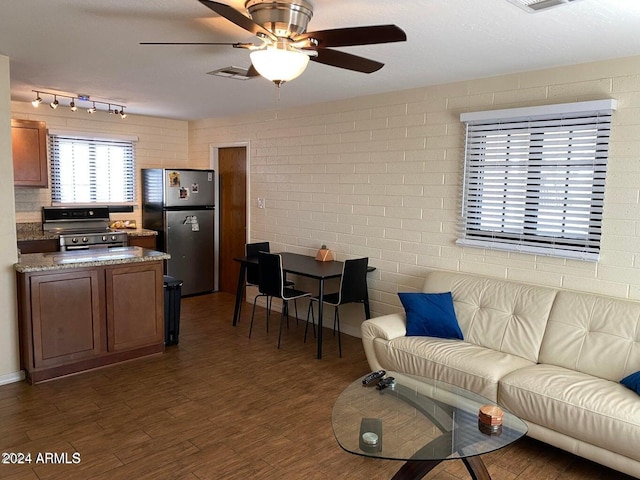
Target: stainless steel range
{"type": "Point", "coordinates": [82, 228]}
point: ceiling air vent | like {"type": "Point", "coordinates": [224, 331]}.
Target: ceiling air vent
{"type": "Point", "coordinates": [533, 6]}
{"type": "Point", "coordinates": [237, 73]}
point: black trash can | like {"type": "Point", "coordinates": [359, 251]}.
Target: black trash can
{"type": "Point", "coordinates": [172, 295]}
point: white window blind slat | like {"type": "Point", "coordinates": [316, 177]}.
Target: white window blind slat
{"type": "Point", "coordinates": [90, 170]}
{"type": "Point", "coordinates": [536, 183]}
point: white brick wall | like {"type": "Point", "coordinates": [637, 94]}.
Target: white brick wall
{"type": "Point", "coordinates": [380, 176]}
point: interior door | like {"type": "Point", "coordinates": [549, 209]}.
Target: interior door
{"type": "Point", "coordinates": [232, 173]}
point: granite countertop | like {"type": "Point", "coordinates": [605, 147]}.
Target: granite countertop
{"type": "Point", "coordinates": [33, 231]}
{"type": "Point", "coordinates": [39, 262]}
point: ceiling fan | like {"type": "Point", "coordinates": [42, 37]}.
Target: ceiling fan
{"type": "Point", "coordinates": [286, 47]}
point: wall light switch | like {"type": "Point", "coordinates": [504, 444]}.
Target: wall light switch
{"type": "Point", "coordinates": [260, 202]}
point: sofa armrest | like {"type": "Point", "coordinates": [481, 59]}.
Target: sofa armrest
{"type": "Point", "coordinates": [386, 327]}
{"type": "Point", "coordinates": [379, 331]}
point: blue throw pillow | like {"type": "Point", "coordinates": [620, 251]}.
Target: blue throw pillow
{"type": "Point", "coordinates": [430, 315]}
{"type": "Point", "coordinates": [632, 381]}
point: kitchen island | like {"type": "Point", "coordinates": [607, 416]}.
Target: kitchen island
{"type": "Point", "coordinates": [87, 309]}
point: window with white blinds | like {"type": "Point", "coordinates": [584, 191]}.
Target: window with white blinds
{"type": "Point", "coordinates": [534, 178]}
{"type": "Point", "coordinates": [89, 170]}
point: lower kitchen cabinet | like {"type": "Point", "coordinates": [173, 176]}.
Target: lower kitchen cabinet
{"type": "Point", "coordinates": [38, 246]}
{"type": "Point", "coordinates": [66, 317]}
{"type": "Point", "coordinates": [79, 319]}
{"type": "Point", "coordinates": [133, 292]}
{"type": "Point", "coordinates": [144, 241]}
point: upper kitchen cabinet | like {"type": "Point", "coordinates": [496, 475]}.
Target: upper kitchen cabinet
{"type": "Point", "coordinates": [29, 140]}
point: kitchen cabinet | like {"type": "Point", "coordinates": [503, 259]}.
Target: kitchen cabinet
{"type": "Point", "coordinates": [76, 319]}
{"type": "Point", "coordinates": [144, 241]}
{"type": "Point", "coordinates": [132, 293]}
{"type": "Point", "coordinates": [38, 246]}
{"type": "Point", "coordinates": [29, 140]}
{"type": "Point", "coordinates": [66, 317]}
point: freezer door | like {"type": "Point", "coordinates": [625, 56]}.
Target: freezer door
{"type": "Point", "coordinates": [189, 241]}
{"type": "Point", "coordinates": [188, 188]}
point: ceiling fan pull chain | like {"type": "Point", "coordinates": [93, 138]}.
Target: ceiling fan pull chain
{"type": "Point", "coordinates": [277, 92]}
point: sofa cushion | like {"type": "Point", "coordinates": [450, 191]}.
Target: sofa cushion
{"type": "Point", "coordinates": [593, 334]}
{"type": "Point", "coordinates": [632, 381]}
{"type": "Point", "coordinates": [453, 361]}
{"type": "Point", "coordinates": [505, 316]}
{"type": "Point", "coordinates": [596, 411]}
{"type": "Point", "coordinates": [430, 315]}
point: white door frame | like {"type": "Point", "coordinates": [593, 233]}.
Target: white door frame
{"type": "Point", "coordinates": [214, 159]}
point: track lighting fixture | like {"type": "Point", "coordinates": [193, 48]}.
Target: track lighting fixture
{"type": "Point", "coordinates": [37, 101]}
{"type": "Point", "coordinates": [80, 98]}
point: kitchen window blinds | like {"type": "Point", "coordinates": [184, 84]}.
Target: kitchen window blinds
{"type": "Point", "coordinates": [89, 170]}
{"type": "Point", "coordinates": [534, 178]}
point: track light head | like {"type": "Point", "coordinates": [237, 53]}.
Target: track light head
{"type": "Point", "coordinates": [122, 114]}
{"type": "Point", "coordinates": [92, 109]}
{"type": "Point", "coordinates": [55, 102]}
{"type": "Point", "coordinates": [37, 101]}
{"type": "Point", "coordinates": [72, 105]}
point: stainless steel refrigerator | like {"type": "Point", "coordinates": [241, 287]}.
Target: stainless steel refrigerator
{"type": "Point", "coordinates": [179, 205]}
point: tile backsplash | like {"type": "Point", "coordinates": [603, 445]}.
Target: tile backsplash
{"type": "Point", "coordinates": [29, 203]}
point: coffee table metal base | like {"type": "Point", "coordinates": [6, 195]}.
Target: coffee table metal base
{"type": "Point", "coordinates": [416, 469]}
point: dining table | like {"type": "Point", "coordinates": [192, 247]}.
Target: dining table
{"type": "Point", "coordinates": [305, 266]}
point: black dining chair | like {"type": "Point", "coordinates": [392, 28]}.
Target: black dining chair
{"type": "Point", "coordinates": [353, 289]}
{"type": "Point", "coordinates": [272, 284]}
{"type": "Point", "coordinates": [251, 270]}
{"type": "Point", "coordinates": [252, 277]}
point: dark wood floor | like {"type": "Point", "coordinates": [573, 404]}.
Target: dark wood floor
{"type": "Point", "coordinates": [222, 406]}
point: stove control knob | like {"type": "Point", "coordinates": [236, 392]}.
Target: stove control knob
{"type": "Point", "coordinates": [74, 240]}
{"type": "Point", "coordinates": [113, 237]}
{"type": "Point", "coordinates": [85, 239]}
{"type": "Point", "coordinates": [104, 238]}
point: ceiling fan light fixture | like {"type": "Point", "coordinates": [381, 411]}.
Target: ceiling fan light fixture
{"type": "Point", "coordinates": [279, 65]}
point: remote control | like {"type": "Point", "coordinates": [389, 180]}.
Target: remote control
{"type": "Point", "coordinates": [385, 382]}
{"type": "Point", "coordinates": [373, 377]}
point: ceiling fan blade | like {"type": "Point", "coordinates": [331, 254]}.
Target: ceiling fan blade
{"type": "Point", "coordinates": [339, 59]}
{"type": "Point", "coordinates": [346, 37]}
{"type": "Point", "coordinates": [238, 18]}
{"type": "Point", "coordinates": [234, 45]}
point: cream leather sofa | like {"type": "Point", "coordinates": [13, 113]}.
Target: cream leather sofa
{"type": "Point", "coordinates": [552, 357]}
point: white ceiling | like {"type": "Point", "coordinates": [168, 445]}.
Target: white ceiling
{"type": "Point", "coordinates": [92, 47]}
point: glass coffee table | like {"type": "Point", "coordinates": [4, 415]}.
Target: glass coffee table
{"type": "Point", "coordinates": [421, 421]}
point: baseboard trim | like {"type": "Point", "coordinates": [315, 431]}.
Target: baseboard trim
{"type": "Point", "coordinates": [12, 377]}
